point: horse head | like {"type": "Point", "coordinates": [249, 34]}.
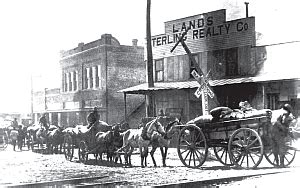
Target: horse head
{"type": "Point", "coordinates": [155, 125]}
{"type": "Point", "coordinates": [172, 128]}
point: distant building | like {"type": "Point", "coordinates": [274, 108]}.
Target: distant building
{"type": "Point", "coordinates": [238, 69]}
{"type": "Point", "coordinates": [91, 76]}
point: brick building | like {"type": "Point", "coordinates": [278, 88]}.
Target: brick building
{"type": "Point", "coordinates": [91, 76]}
{"type": "Point", "coordinates": [238, 69]}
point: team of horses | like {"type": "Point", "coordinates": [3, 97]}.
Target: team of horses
{"type": "Point", "coordinates": [113, 140]}
{"type": "Point", "coordinates": [118, 139]}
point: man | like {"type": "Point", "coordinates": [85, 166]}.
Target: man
{"type": "Point", "coordinates": [14, 137]}
{"type": "Point", "coordinates": [15, 123]}
{"type": "Point", "coordinates": [280, 131]}
{"type": "Point", "coordinates": [43, 122]}
{"type": "Point", "coordinates": [93, 117]}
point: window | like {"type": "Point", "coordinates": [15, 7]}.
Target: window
{"type": "Point", "coordinates": [70, 81]}
{"type": "Point", "coordinates": [66, 82]}
{"type": "Point", "coordinates": [91, 78]}
{"type": "Point", "coordinates": [159, 70]}
{"type": "Point", "coordinates": [86, 75]}
{"type": "Point", "coordinates": [231, 62]}
{"type": "Point", "coordinates": [96, 78]}
{"type": "Point", "coordinates": [75, 80]}
{"type": "Point", "coordinates": [99, 76]}
{"type": "Point", "coordinates": [192, 65]}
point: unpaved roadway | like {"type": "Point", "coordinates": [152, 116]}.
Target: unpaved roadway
{"type": "Point", "coordinates": [22, 167]}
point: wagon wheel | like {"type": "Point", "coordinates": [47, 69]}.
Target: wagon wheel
{"type": "Point", "coordinates": [83, 152]}
{"type": "Point", "coordinates": [288, 158]}
{"type": "Point", "coordinates": [68, 147]}
{"type": "Point", "coordinates": [245, 148]}
{"type": "Point", "coordinates": [192, 147]}
{"type": "Point", "coordinates": [222, 155]}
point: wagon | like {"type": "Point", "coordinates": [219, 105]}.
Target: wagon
{"type": "Point", "coordinates": [241, 142]}
{"type": "Point", "coordinates": [83, 141]}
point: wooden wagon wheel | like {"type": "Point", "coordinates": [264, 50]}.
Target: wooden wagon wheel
{"type": "Point", "coordinates": [288, 158]}
{"type": "Point", "coordinates": [222, 155]}
{"type": "Point", "coordinates": [68, 146]}
{"type": "Point", "coordinates": [83, 152]}
{"type": "Point", "coordinates": [245, 148]}
{"type": "Point", "coordinates": [192, 146]}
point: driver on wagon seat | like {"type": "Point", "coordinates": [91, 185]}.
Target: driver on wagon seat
{"type": "Point", "coordinates": [93, 117]}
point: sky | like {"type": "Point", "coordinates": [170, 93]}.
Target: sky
{"type": "Point", "coordinates": [33, 32]}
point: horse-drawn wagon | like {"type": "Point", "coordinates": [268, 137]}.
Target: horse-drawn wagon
{"type": "Point", "coordinates": [236, 140]}
{"type": "Point", "coordinates": [88, 141]}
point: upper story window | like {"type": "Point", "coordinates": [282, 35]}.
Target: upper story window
{"type": "Point", "coordinates": [159, 70]}
{"type": "Point", "coordinates": [192, 65]}
{"type": "Point", "coordinates": [231, 62]}
{"type": "Point", "coordinates": [92, 77]}
{"type": "Point", "coordinates": [70, 81]}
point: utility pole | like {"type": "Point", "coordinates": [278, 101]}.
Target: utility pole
{"type": "Point", "coordinates": [150, 108]}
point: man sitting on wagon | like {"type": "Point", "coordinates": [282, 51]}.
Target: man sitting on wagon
{"type": "Point", "coordinates": [92, 119]}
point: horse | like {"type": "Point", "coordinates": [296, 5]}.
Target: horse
{"type": "Point", "coordinates": [103, 141]}
{"type": "Point", "coordinates": [163, 142]}
{"type": "Point", "coordinates": [55, 139]}
{"type": "Point", "coordinates": [140, 138]}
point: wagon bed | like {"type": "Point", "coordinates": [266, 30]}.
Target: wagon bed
{"type": "Point", "coordinates": [236, 142]}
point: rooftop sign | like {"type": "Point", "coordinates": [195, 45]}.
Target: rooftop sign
{"type": "Point", "coordinates": [208, 31]}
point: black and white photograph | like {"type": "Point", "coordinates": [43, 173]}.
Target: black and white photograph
{"type": "Point", "coordinates": [149, 93]}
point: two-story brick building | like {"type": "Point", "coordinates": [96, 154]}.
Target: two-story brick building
{"type": "Point", "coordinates": [91, 76]}
{"type": "Point", "coordinates": [238, 69]}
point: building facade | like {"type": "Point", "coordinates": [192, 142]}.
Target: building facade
{"type": "Point", "coordinates": [226, 52]}
{"type": "Point", "coordinates": [91, 76]}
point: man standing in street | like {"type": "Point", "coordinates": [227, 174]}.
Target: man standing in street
{"type": "Point", "coordinates": [280, 131]}
{"type": "Point", "coordinates": [15, 123]}
{"type": "Point", "coordinates": [14, 137]}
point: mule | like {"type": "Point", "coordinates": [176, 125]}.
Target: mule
{"type": "Point", "coordinates": [140, 138]}
{"type": "Point", "coordinates": [55, 139]}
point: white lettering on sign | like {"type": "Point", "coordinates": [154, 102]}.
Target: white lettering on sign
{"type": "Point", "coordinates": [196, 75]}
{"type": "Point", "coordinates": [198, 92]}
{"type": "Point", "coordinates": [205, 101]}
{"type": "Point", "coordinates": [210, 92]}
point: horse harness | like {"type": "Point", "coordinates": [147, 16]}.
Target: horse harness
{"type": "Point", "coordinates": [144, 134]}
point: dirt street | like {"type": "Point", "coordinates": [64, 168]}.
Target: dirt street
{"type": "Point", "coordinates": [29, 167]}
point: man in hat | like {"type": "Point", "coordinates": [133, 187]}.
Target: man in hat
{"type": "Point", "coordinates": [93, 117]}
{"type": "Point", "coordinates": [280, 131]}
{"type": "Point", "coordinates": [43, 122]}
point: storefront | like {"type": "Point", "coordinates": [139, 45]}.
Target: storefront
{"type": "Point", "coordinates": [237, 69]}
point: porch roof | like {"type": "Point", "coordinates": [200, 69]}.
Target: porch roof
{"type": "Point", "coordinates": [144, 88]}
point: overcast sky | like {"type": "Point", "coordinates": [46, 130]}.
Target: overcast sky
{"type": "Point", "coordinates": [34, 31]}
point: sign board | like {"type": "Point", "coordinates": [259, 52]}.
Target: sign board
{"type": "Point", "coordinates": [207, 33]}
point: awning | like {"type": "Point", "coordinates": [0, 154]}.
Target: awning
{"type": "Point", "coordinates": [143, 88]}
